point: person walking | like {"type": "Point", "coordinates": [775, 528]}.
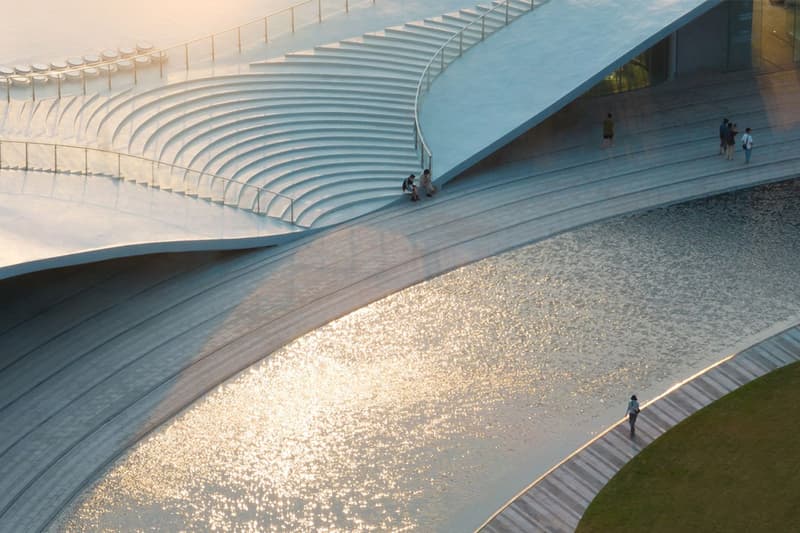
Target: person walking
{"type": "Point", "coordinates": [747, 145]}
{"type": "Point", "coordinates": [633, 412]}
{"type": "Point", "coordinates": [723, 137]}
{"type": "Point", "coordinates": [426, 183]}
{"type": "Point", "coordinates": [731, 140]}
{"type": "Point", "coordinates": [608, 131]}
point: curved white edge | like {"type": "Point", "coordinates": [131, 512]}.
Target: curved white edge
{"type": "Point", "coordinates": [148, 248]}
{"type": "Point", "coordinates": [745, 344]}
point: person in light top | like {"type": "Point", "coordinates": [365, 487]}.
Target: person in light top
{"type": "Point", "coordinates": [747, 145]}
{"type": "Point", "coordinates": [427, 184]}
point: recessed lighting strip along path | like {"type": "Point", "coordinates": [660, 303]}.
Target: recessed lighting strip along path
{"type": "Point", "coordinates": [557, 500]}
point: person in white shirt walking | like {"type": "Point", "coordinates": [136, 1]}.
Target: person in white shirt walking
{"type": "Point", "coordinates": [747, 145]}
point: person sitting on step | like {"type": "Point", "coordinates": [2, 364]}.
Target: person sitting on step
{"type": "Point", "coordinates": [410, 188]}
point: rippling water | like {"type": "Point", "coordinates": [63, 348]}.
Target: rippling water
{"type": "Point", "coordinates": [428, 409]}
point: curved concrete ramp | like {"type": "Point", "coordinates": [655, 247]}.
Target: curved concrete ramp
{"type": "Point", "coordinates": [534, 67]}
{"type": "Point", "coordinates": [51, 220]}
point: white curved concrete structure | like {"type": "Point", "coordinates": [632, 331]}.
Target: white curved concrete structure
{"type": "Point", "coordinates": [101, 356]}
{"type": "Point", "coordinates": [331, 126]}
{"type": "Point", "coordinates": [87, 376]}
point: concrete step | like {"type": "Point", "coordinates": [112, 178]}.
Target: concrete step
{"type": "Point", "coordinates": [348, 64]}
{"type": "Point", "coordinates": [284, 169]}
{"type": "Point", "coordinates": [195, 137]}
{"type": "Point", "coordinates": [297, 155]}
{"type": "Point", "coordinates": [219, 141]}
{"type": "Point", "coordinates": [348, 210]}
{"type": "Point", "coordinates": [142, 140]}
{"type": "Point", "coordinates": [360, 49]}
{"type": "Point", "coordinates": [290, 174]}
{"type": "Point", "coordinates": [346, 199]}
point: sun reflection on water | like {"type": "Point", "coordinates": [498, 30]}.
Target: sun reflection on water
{"type": "Point", "coordinates": [414, 412]}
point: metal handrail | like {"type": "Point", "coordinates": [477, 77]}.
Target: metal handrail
{"type": "Point", "coordinates": [257, 205]}
{"type": "Point", "coordinates": [160, 54]}
{"type": "Point", "coordinates": [426, 156]}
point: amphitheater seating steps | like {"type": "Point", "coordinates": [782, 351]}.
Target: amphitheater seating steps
{"type": "Point", "coordinates": [332, 125]}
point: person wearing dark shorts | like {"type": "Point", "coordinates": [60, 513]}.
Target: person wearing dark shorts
{"type": "Point", "coordinates": [608, 131]}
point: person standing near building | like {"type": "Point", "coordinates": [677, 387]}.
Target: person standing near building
{"type": "Point", "coordinates": [731, 140]}
{"type": "Point", "coordinates": [633, 412]}
{"type": "Point", "coordinates": [747, 145]}
{"type": "Point", "coordinates": [723, 137]}
{"type": "Point", "coordinates": [608, 131]}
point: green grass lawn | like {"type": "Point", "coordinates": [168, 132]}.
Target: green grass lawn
{"type": "Point", "coordinates": [733, 466]}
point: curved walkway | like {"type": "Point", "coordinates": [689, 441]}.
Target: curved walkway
{"type": "Point", "coordinates": [91, 360]}
{"type": "Point", "coordinates": [556, 501]}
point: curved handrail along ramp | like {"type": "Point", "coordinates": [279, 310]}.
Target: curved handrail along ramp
{"type": "Point", "coordinates": [332, 127]}
{"type": "Point", "coordinates": [473, 33]}
{"type": "Point", "coordinates": [70, 159]}
{"type": "Point", "coordinates": [528, 71]}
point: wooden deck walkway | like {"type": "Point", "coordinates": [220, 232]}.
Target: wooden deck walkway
{"type": "Point", "coordinates": [94, 358]}
{"type": "Point", "coordinates": [557, 500]}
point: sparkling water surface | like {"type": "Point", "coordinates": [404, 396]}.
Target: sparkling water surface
{"type": "Point", "coordinates": [428, 409]}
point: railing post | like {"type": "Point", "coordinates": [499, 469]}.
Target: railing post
{"type": "Point", "coordinates": [239, 37]}
{"type": "Point", "coordinates": [213, 50]}
{"type": "Point", "coordinates": [319, 11]}
{"type": "Point", "coordinates": [26, 156]}
{"type": "Point", "coordinates": [292, 10]}
{"type": "Point", "coordinates": [85, 161]}
{"type": "Point", "coordinates": [444, 49]}
{"type": "Point", "coordinates": [483, 28]}
{"type": "Point", "coordinates": [58, 78]}
{"type": "Point", "coordinates": [507, 1]}
{"type": "Point", "coordinates": [186, 55]}
{"type": "Point", "coordinates": [55, 157]}
{"type": "Point", "coordinates": [161, 64]}
{"type": "Point", "coordinates": [83, 80]}
{"type": "Point", "coordinates": [461, 43]}
{"type": "Point", "coordinates": [258, 201]}
{"type": "Point", "coordinates": [119, 165]}
{"type": "Point", "coordinates": [266, 29]}
{"type": "Point", "coordinates": [109, 75]}
{"type": "Point", "coordinates": [135, 73]}
{"type": "Point", "coordinates": [291, 209]}
{"type": "Point", "coordinates": [152, 173]}
{"type": "Point", "coordinates": [531, 5]}
{"type": "Point", "coordinates": [33, 88]}
{"type": "Point", "coordinates": [347, 6]}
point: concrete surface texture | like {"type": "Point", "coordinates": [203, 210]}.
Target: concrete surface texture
{"type": "Point", "coordinates": [96, 359]}
{"type": "Point", "coordinates": [536, 66]}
